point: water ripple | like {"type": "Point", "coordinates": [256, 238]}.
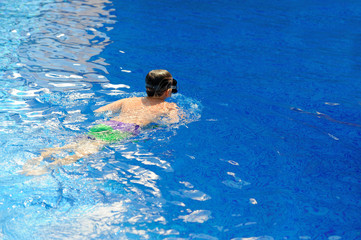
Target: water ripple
{"type": "Point", "coordinates": [52, 75]}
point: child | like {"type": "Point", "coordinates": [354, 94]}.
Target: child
{"type": "Point", "coordinates": [134, 113]}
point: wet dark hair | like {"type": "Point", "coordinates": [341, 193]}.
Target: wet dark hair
{"type": "Point", "coordinates": [157, 82]}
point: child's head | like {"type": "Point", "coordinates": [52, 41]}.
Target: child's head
{"type": "Point", "coordinates": [157, 82]}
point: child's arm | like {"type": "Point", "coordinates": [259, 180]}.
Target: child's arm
{"type": "Point", "coordinates": [173, 114]}
{"type": "Point", "coordinates": [113, 107]}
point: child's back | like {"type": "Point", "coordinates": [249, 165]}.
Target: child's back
{"type": "Point", "coordinates": [143, 111]}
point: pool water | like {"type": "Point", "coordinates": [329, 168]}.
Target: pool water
{"type": "Point", "coordinates": [269, 150]}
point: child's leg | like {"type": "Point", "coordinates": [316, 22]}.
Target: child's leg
{"type": "Point", "coordinates": [49, 151]}
{"type": "Point", "coordinates": [81, 149]}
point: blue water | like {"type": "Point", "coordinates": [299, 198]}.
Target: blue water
{"type": "Point", "coordinates": [270, 149]}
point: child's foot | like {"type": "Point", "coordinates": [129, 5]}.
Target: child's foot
{"type": "Point", "coordinates": [34, 172]}
{"type": "Point", "coordinates": [33, 162]}
{"type": "Point", "coordinates": [31, 167]}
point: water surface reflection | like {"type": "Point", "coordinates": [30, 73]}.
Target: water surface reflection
{"type": "Point", "coordinates": [51, 63]}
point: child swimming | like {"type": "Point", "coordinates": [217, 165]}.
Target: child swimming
{"type": "Point", "coordinates": [132, 114]}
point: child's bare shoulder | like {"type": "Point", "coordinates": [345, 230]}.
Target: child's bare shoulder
{"type": "Point", "coordinates": [170, 108]}
{"type": "Point", "coordinates": [131, 100]}
{"type": "Point", "coordinates": [171, 105]}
